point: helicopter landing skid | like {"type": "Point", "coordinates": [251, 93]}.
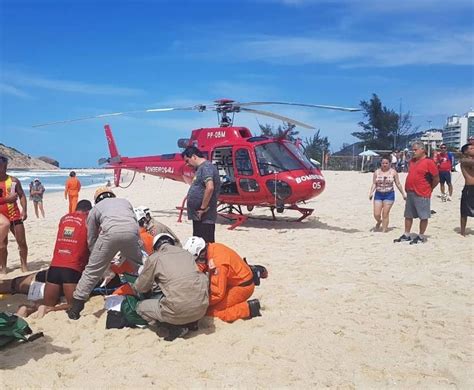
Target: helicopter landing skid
{"type": "Point", "coordinates": [303, 210]}
{"type": "Point", "coordinates": [232, 213]}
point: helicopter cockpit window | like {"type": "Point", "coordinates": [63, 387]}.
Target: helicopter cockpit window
{"type": "Point", "coordinates": [299, 153]}
{"type": "Point", "coordinates": [274, 157]}
{"type": "Point", "coordinates": [243, 163]}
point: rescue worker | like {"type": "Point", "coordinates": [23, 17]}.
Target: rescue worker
{"type": "Point", "coordinates": [111, 227]}
{"type": "Point", "coordinates": [145, 237]}
{"type": "Point", "coordinates": [70, 257]}
{"type": "Point", "coordinates": [154, 227]}
{"type": "Point", "coordinates": [184, 296]}
{"type": "Point", "coordinates": [231, 280]}
{"type": "Point", "coordinates": [11, 191]}
{"type": "Point", "coordinates": [71, 191]}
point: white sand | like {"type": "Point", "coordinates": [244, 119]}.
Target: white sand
{"type": "Point", "coordinates": [343, 307]}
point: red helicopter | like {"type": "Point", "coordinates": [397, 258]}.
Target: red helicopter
{"type": "Point", "coordinates": [255, 171]}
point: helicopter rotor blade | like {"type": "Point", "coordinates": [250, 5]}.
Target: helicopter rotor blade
{"type": "Point", "coordinates": [277, 116]}
{"type": "Point", "coordinates": [350, 109]}
{"type": "Point", "coordinates": [118, 114]}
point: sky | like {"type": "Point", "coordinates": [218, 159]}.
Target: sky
{"type": "Point", "coordinates": [69, 59]}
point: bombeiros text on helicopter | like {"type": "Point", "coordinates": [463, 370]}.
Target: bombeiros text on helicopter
{"type": "Point", "coordinates": [255, 171]}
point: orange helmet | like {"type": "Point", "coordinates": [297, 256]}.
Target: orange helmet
{"type": "Point", "coordinates": [103, 192]}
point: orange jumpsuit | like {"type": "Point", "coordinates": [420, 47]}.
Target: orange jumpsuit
{"type": "Point", "coordinates": [231, 284]}
{"type": "Point", "coordinates": [71, 191]}
{"type": "Point", "coordinates": [147, 240]}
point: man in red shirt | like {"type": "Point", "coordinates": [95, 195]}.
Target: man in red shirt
{"type": "Point", "coordinates": [444, 162]}
{"type": "Point", "coordinates": [70, 257]}
{"type": "Point", "coordinates": [422, 178]}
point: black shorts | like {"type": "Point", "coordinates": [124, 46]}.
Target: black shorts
{"type": "Point", "coordinates": [206, 231]}
{"type": "Point", "coordinates": [16, 222]}
{"type": "Point", "coordinates": [467, 201]}
{"type": "Point", "coordinates": [62, 275]}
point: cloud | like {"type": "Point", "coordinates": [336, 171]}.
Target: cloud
{"type": "Point", "coordinates": [34, 81]}
{"type": "Point", "coordinates": [356, 53]}
{"type": "Point", "coordinates": [381, 6]}
{"type": "Point", "coordinates": [6, 89]}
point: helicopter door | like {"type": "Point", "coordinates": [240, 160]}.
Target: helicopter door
{"type": "Point", "coordinates": [245, 174]}
{"type": "Point", "coordinates": [222, 159]}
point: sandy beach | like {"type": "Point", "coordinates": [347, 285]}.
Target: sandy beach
{"type": "Point", "coordinates": [343, 307]}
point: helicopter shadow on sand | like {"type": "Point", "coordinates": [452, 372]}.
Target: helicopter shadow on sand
{"type": "Point", "coordinates": [266, 222]}
{"type": "Point", "coordinates": [262, 222]}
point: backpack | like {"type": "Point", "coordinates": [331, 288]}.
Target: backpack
{"type": "Point", "coordinates": [14, 328]}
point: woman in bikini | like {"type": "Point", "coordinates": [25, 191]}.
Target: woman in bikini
{"type": "Point", "coordinates": [383, 193]}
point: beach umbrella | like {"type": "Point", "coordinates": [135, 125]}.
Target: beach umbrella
{"type": "Point", "coordinates": [368, 153]}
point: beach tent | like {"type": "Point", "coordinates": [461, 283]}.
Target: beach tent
{"type": "Point", "coordinates": [366, 154]}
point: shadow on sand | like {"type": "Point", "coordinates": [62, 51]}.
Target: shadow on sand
{"type": "Point", "coordinates": [16, 355]}
{"type": "Point", "coordinates": [266, 222]}
{"type": "Point", "coordinates": [206, 326]}
{"type": "Point", "coordinates": [469, 231]}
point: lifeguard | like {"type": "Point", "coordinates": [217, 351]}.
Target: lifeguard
{"type": "Point", "coordinates": [71, 191]}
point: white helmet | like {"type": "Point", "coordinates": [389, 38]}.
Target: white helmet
{"type": "Point", "coordinates": [161, 239]}
{"type": "Point", "coordinates": [145, 209]}
{"type": "Point", "coordinates": [139, 214]}
{"type": "Point", "coordinates": [195, 245]}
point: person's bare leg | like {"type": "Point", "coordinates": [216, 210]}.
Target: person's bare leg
{"type": "Point", "coordinates": [450, 189]}
{"type": "Point", "coordinates": [423, 226]}
{"type": "Point", "coordinates": [463, 226]}
{"type": "Point", "coordinates": [35, 204]}
{"type": "Point", "coordinates": [442, 190]}
{"type": "Point", "coordinates": [378, 214]}
{"type": "Point", "coordinates": [41, 208]}
{"type": "Point", "coordinates": [22, 246]}
{"type": "Point", "coordinates": [52, 293]}
{"type": "Point", "coordinates": [3, 255]}
{"type": "Point", "coordinates": [25, 310]}
{"type": "Point", "coordinates": [52, 298]}
{"type": "Point", "coordinates": [4, 228]}
{"type": "Point", "coordinates": [408, 225]}
{"type": "Point", "coordinates": [385, 215]}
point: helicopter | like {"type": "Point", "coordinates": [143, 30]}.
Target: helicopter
{"type": "Point", "coordinates": [255, 171]}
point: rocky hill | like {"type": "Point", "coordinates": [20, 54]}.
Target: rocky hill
{"type": "Point", "coordinates": [18, 160]}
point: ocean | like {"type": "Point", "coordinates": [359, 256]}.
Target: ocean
{"type": "Point", "coordinates": [54, 180]}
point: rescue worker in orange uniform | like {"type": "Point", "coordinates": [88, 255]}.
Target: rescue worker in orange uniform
{"type": "Point", "coordinates": [71, 191]}
{"type": "Point", "coordinates": [11, 191]}
{"type": "Point", "coordinates": [231, 280]}
{"type": "Point", "coordinates": [145, 237]}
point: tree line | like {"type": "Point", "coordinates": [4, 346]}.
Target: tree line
{"type": "Point", "coordinates": [383, 129]}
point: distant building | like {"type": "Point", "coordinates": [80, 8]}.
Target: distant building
{"type": "Point", "coordinates": [458, 129]}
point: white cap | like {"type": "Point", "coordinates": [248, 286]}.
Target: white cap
{"type": "Point", "coordinates": [195, 245]}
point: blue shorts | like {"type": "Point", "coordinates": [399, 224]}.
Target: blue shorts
{"type": "Point", "coordinates": [384, 196]}
{"type": "Point", "coordinates": [445, 177]}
